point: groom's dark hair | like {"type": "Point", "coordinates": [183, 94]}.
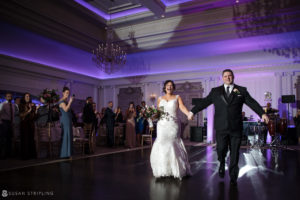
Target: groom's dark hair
{"type": "Point", "coordinates": [228, 70]}
{"type": "Point", "coordinates": [165, 84]}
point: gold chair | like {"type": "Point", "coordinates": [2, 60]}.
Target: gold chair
{"type": "Point", "coordinates": [46, 138]}
{"type": "Point", "coordinates": [88, 139]}
{"type": "Point", "coordinates": [119, 134]}
{"type": "Point", "coordinates": [102, 136]}
{"type": "Point", "coordinates": [147, 137]}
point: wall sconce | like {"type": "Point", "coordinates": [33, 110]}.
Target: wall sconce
{"type": "Point", "coordinates": [152, 97]}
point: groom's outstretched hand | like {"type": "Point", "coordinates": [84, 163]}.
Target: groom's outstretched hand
{"type": "Point", "coordinates": [265, 118]}
{"type": "Point", "coordinates": [190, 116]}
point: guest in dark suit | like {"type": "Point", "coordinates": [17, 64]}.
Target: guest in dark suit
{"type": "Point", "coordinates": [88, 115]}
{"type": "Point", "coordinates": [89, 119]}
{"type": "Point", "coordinates": [109, 116]}
{"type": "Point", "coordinates": [6, 126]}
{"type": "Point", "coordinates": [228, 100]}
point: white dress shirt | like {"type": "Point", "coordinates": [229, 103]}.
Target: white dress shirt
{"type": "Point", "coordinates": [230, 88]}
{"type": "Point", "coordinates": [5, 113]}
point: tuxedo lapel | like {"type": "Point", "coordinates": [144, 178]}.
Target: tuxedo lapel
{"type": "Point", "coordinates": [222, 94]}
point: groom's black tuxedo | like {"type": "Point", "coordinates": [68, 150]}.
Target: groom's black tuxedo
{"type": "Point", "coordinates": [228, 111]}
{"type": "Point", "coordinates": [228, 121]}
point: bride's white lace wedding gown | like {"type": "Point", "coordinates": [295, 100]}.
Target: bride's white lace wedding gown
{"type": "Point", "coordinates": [168, 156]}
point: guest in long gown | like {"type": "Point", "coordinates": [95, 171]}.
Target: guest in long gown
{"type": "Point", "coordinates": [130, 126]}
{"type": "Point", "coordinates": [139, 126]}
{"type": "Point", "coordinates": [66, 124]}
{"type": "Point", "coordinates": [27, 114]}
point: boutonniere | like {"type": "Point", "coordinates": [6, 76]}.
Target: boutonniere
{"type": "Point", "coordinates": [236, 91]}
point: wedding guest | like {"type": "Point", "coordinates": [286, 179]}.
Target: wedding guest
{"type": "Point", "coordinates": [66, 124]}
{"type": "Point", "coordinates": [42, 114]}
{"type": "Point", "coordinates": [269, 110]}
{"type": "Point", "coordinates": [109, 117]}
{"type": "Point", "coordinates": [27, 114]}
{"type": "Point", "coordinates": [130, 126]}
{"type": "Point", "coordinates": [297, 124]}
{"type": "Point", "coordinates": [89, 119]}
{"type": "Point", "coordinates": [102, 114]}
{"type": "Point", "coordinates": [97, 117]}
{"type": "Point", "coordinates": [6, 126]}
{"type": "Point", "coordinates": [143, 104]}
{"type": "Point", "coordinates": [244, 116]}
{"type": "Point", "coordinates": [139, 125]}
{"type": "Point", "coordinates": [119, 115]}
{"type": "Point", "coordinates": [17, 119]}
{"type": "Point", "coordinates": [88, 115]}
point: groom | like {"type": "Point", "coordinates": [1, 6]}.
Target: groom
{"type": "Point", "coordinates": [228, 100]}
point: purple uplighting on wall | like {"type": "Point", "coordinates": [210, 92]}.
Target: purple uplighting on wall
{"type": "Point", "coordinates": [173, 2]}
{"type": "Point", "coordinates": [114, 15]}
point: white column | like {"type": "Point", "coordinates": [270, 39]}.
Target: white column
{"type": "Point", "coordinates": [96, 96]}
{"type": "Point", "coordinates": [287, 89]}
{"type": "Point", "coordinates": [115, 96]}
{"type": "Point", "coordinates": [211, 83]}
{"type": "Point", "coordinates": [278, 90]}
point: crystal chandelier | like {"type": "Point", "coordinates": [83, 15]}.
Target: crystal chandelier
{"type": "Point", "coordinates": [108, 56]}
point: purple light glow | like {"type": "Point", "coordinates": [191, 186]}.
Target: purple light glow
{"type": "Point", "coordinates": [269, 138]}
{"type": "Point", "coordinates": [236, 53]}
{"type": "Point", "coordinates": [269, 158]}
{"type": "Point", "coordinates": [209, 160]}
{"type": "Point", "coordinates": [173, 2]}
{"type": "Point", "coordinates": [210, 124]}
{"type": "Point", "coordinates": [112, 16]}
{"type": "Point", "coordinates": [25, 45]}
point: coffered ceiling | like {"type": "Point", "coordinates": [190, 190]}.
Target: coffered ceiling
{"type": "Point", "coordinates": [158, 30]}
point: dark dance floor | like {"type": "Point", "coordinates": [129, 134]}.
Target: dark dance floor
{"type": "Point", "coordinates": [263, 175]}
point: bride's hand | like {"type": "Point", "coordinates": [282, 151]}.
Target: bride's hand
{"type": "Point", "coordinates": [190, 116]}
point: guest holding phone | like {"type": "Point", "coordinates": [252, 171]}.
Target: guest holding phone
{"type": "Point", "coordinates": [66, 124]}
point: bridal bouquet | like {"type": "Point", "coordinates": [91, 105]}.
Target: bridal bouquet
{"type": "Point", "coordinates": [152, 113]}
{"type": "Point", "coordinates": [49, 96]}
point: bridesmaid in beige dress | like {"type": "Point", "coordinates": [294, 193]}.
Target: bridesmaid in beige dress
{"type": "Point", "coordinates": [130, 126]}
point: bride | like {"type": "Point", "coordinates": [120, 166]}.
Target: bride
{"type": "Point", "coordinates": [168, 156]}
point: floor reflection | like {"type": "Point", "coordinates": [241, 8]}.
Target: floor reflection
{"type": "Point", "coordinates": [165, 188]}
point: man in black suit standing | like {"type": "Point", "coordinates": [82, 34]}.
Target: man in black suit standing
{"type": "Point", "coordinates": [109, 116]}
{"type": "Point", "coordinates": [228, 100]}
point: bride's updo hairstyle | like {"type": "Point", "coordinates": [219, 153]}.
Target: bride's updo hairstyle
{"type": "Point", "coordinates": [165, 84]}
{"type": "Point", "coordinates": [65, 89]}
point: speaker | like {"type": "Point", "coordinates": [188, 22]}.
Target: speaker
{"type": "Point", "coordinates": [288, 98]}
{"type": "Point", "coordinates": [196, 133]}
{"type": "Point", "coordinates": [291, 138]}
